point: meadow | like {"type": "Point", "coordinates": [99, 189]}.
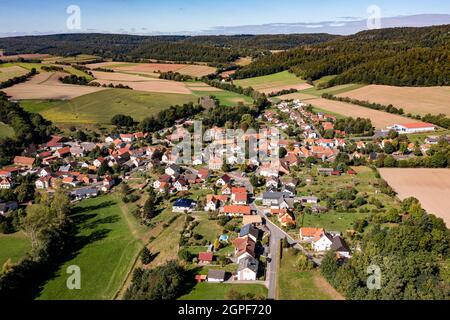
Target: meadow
{"type": "Point", "coordinates": [107, 245]}
{"type": "Point", "coordinates": [294, 284]}
{"type": "Point", "coordinates": [274, 82]}
{"type": "Point", "coordinates": [14, 247]}
{"type": "Point", "coordinates": [213, 291]}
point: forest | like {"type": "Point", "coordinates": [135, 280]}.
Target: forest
{"type": "Point", "coordinates": [398, 56]}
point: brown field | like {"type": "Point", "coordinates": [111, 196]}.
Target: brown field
{"type": "Point", "coordinates": [11, 72]}
{"type": "Point", "coordinates": [297, 95]}
{"type": "Point", "coordinates": [152, 68]}
{"type": "Point", "coordinates": [156, 85]}
{"type": "Point", "coordinates": [24, 56]}
{"type": "Point", "coordinates": [244, 61]}
{"type": "Point", "coordinates": [379, 119]}
{"type": "Point", "coordinates": [434, 100]}
{"type": "Point", "coordinates": [274, 89]}
{"type": "Point", "coordinates": [430, 186]}
{"type": "Point", "coordinates": [46, 86]}
{"type": "Point", "coordinates": [201, 86]}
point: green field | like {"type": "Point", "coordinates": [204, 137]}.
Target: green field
{"type": "Point", "coordinates": [5, 130]}
{"type": "Point", "coordinates": [301, 285]}
{"type": "Point", "coordinates": [226, 98]}
{"type": "Point", "coordinates": [333, 90]}
{"type": "Point", "coordinates": [284, 78]}
{"type": "Point", "coordinates": [213, 291]}
{"type": "Point", "coordinates": [107, 247]}
{"type": "Point", "coordinates": [100, 107]}
{"type": "Point", "coordinates": [14, 247]}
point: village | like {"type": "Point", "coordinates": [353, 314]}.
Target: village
{"type": "Point", "coordinates": [268, 201]}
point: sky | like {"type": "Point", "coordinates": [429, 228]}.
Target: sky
{"type": "Point", "coordinates": [177, 16]}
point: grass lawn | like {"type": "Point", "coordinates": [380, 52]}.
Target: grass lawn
{"type": "Point", "coordinates": [284, 78]}
{"type": "Point", "coordinates": [316, 109]}
{"type": "Point", "coordinates": [107, 248]}
{"type": "Point", "coordinates": [333, 90]}
{"type": "Point", "coordinates": [213, 291]}
{"type": "Point", "coordinates": [14, 247]}
{"type": "Point", "coordinates": [301, 285]}
{"type": "Point", "coordinates": [209, 229]}
{"type": "Point", "coordinates": [5, 130]}
{"type": "Point", "coordinates": [226, 98]}
{"type": "Point", "coordinates": [101, 106]}
{"type": "Point", "coordinates": [335, 221]}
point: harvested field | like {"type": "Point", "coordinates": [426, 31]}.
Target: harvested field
{"type": "Point", "coordinates": [379, 119]}
{"type": "Point", "coordinates": [163, 86]}
{"type": "Point", "coordinates": [152, 68]}
{"type": "Point", "coordinates": [116, 76]}
{"type": "Point", "coordinates": [11, 72]}
{"type": "Point", "coordinates": [297, 95]}
{"type": "Point", "coordinates": [24, 56]}
{"type": "Point", "coordinates": [46, 86]}
{"type": "Point", "coordinates": [302, 86]}
{"type": "Point", "coordinates": [430, 186]}
{"type": "Point", "coordinates": [434, 100]}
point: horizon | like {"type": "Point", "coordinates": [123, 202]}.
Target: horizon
{"type": "Point", "coordinates": [173, 17]}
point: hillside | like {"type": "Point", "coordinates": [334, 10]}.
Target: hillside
{"type": "Point", "coordinates": [399, 56]}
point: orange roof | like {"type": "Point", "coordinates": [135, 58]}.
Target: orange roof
{"type": "Point", "coordinates": [24, 161]}
{"type": "Point", "coordinates": [240, 197]}
{"type": "Point", "coordinates": [235, 209]}
{"type": "Point", "coordinates": [205, 256]}
{"type": "Point", "coordinates": [239, 190]}
{"type": "Point", "coordinates": [418, 125]}
{"type": "Point", "coordinates": [311, 232]}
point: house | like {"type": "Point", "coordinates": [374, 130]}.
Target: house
{"type": "Point", "coordinates": [44, 172]}
{"type": "Point", "coordinates": [248, 269]}
{"type": "Point", "coordinates": [224, 180]}
{"type": "Point", "coordinates": [216, 276]}
{"type": "Point", "coordinates": [5, 207]}
{"type": "Point", "coordinates": [324, 243]}
{"type": "Point", "coordinates": [181, 184]}
{"type": "Point", "coordinates": [184, 205]}
{"type": "Point", "coordinates": [77, 152]}
{"type": "Point", "coordinates": [24, 162]}
{"type": "Point", "coordinates": [341, 248]}
{"type": "Point", "coordinates": [244, 247]}
{"type": "Point", "coordinates": [272, 182]}
{"type": "Point", "coordinates": [43, 182]}
{"type": "Point", "coordinates": [236, 210]}
{"type": "Point", "coordinates": [311, 234]}
{"type": "Point", "coordinates": [274, 198]}
{"type": "Point", "coordinates": [416, 127]}
{"type": "Point", "coordinates": [213, 202]}
{"type": "Point", "coordinates": [6, 184]}
{"type": "Point", "coordinates": [250, 231]}
{"type": "Point", "coordinates": [203, 174]}
{"type": "Point", "coordinates": [254, 220]}
{"type": "Point", "coordinates": [63, 152]}
{"type": "Point", "coordinates": [309, 200]}
{"type": "Point", "coordinates": [205, 257]}
{"type": "Point", "coordinates": [55, 143]}
{"type": "Point", "coordinates": [127, 137]}
{"type": "Point", "coordinates": [173, 170]}
{"type": "Point", "coordinates": [286, 220]}
{"type": "Point", "coordinates": [215, 163]}
{"type": "Point", "coordinates": [84, 193]}
{"type": "Point", "coordinates": [239, 196]}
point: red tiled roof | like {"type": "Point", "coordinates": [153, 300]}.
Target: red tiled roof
{"type": "Point", "coordinates": [24, 161]}
{"type": "Point", "coordinates": [205, 256]}
{"type": "Point", "coordinates": [235, 209]}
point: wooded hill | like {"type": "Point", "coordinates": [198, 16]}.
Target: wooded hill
{"type": "Point", "coordinates": [216, 49]}
{"type": "Point", "coordinates": [396, 56]}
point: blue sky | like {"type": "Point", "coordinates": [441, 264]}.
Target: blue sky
{"type": "Point", "coordinates": [139, 16]}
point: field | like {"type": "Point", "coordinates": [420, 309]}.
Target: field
{"type": "Point", "coordinates": [213, 291]}
{"type": "Point", "coordinates": [274, 82]}
{"type": "Point", "coordinates": [14, 247]}
{"type": "Point", "coordinates": [226, 98]}
{"type": "Point", "coordinates": [24, 56]}
{"type": "Point", "coordinates": [5, 130]}
{"type": "Point", "coordinates": [45, 86]}
{"type": "Point", "coordinates": [101, 106]}
{"type": "Point", "coordinates": [107, 246]}
{"type": "Point", "coordinates": [302, 285]}
{"type": "Point", "coordinates": [7, 73]}
{"type": "Point", "coordinates": [434, 100]}
{"type": "Point", "coordinates": [430, 186]}
{"type": "Point", "coordinates": [155, 68]}
{"type": "Point", "coordinates": [380, 119]}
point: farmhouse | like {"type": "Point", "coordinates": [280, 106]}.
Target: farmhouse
{"type": "Point", "coordinates": [417, 127]}
{"type": "Point", "coordinates": [24, 162]}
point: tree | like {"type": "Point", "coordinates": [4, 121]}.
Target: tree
{"type": "Point", "coordinates": [216, 245]}
{"type": "Point", "coordinates": [122, 120]}
{"type": "Point", "coordinates": [146, 256]}
{"type": "Point", "coordinates": [303, 263]}
{"type": "Point", "coordinates": [226, 167]}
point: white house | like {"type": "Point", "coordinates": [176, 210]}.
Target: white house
{"type": "Point", "coordinates": [324, 243]}
{"type": "Point", "coordinates": [248, 269]}
{"type": "Point", "coordinates": [216, 276]}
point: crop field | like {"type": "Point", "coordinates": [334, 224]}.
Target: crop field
{"type": "Point", "coordinates": [226, 98]}
{"type": "Point", "coordinates": [380, 119]}
{"type": "Point", "coordinates": [13, 247]}
{"type": "Point", "coordinates": [155, 68]}
{"type": "Point", "coordinates": [24, 56]}
{"type": "Point", "coordinates": [274, 82]}
{"type": "Point", "coordinates": [100, 107]}
{"type": "Point", "coordinates": [434, 100]}
{"type": "Point", "coordinates": [156, 85]}
{"type": "Point", "coordinates": [45, 86]}
{"type": "Point", "coordinates": [7, 73]}
{"type": "Point", "coordinates": [430, 186]}
{"type": "Point", "coordinates": [5, 130]}
{"type": "Point", "coordinates": [106, 250]}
